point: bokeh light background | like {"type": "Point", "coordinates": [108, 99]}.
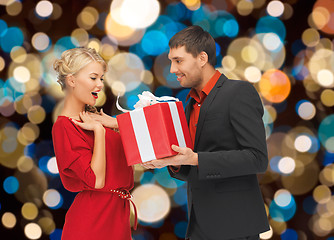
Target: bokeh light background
{"type": "Point", "coordinates": [285, 48]}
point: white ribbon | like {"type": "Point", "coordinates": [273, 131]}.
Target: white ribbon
{"type": "Point", "coordinates": [146, 99]}
{"type": "Point", "coordinates": [139, 124]}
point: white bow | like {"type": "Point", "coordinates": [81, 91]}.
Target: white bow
{"type": "Point", "coordinates": [146, 99]}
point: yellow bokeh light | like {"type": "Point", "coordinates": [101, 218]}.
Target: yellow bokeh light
{"type": "Point", "coordinates": [2, 64]}
{"type": "Point", "coordinates": [245, 7]}
{"type": "Point", "coordinates": [28, 133]}
{"type": "Point", "coordinates": [147, 77]}
{"type": "Point", "coordinates": [310, 37]}
{"type": "Point", "coordinates": [81, 36]}
{"type": "Point", "coordinates": [124, 35]}
{"type": "Point", "coordinates": [21, 74]}
{"type": "Point", "coordinates": [249, 54]}
{"type": "Point", "coordinates": [36, 114]}
{"type": "Point", "coordinates": [275, 8]}
{"type": "Point", "coordinates": [152, 202]}
{"type": "Point", "coordinates": [40, 41]}
{"type": "Point", "coordinates": [14, 9]}
{"type": "Point", "coordinates": [252, 74]}
{"type": "Point", "coordinates": [47, 224]}
{"type": "Point", "coordinates": [322, 194]}
{"type": "Point", "coordinates": [118, 88]}
{"type": "Point", "coordinates": [327, 97]}
{"type": "Point", "coordinates": [87, 18]}
{"type": "Point", "coordinates": [29, 211]}
{"type": "Point", "coordinates": [18, 54]}
{"type": "Point", "coordinates": [229, 63]}
{"type": "Point", "coordinates": [325, 78]}
{"type": "Point", "coordinates": [25, 164]}
{"type": "Point", "coordinates": [135, 14]}
{"type": "Point", "coordinates": [320, 17]}
{"type": "Point", "coordinates": [101, 99]}
{"type": "Point", "coordinates": [192, 5]}
{"type": "Point", "coordinates": [32, 231]}
{"type": "Point", "coordinates": [44, 8]}
{"type": "Point", "coordinates": [8, 220]}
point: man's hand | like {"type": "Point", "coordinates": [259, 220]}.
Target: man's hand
{"type": "Point", "coordinates": [185, 156]}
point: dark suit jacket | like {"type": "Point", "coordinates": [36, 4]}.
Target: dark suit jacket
{"type": "Point", "coordinates": [231, 145]}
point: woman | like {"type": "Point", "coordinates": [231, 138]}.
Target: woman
{"type": "Point", "coordinates": [90, 156]}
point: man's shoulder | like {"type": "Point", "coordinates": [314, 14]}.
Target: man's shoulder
{"type": "Point", "coordinates": [232, 84]}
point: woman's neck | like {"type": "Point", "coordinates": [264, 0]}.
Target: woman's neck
{"type": "Point", "coordinates": [72, 107]}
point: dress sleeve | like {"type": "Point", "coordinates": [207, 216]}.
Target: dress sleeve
{"type": "Point", "coordinates": [73, 155]}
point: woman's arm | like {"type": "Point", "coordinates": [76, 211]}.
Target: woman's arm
{"type": "Point", "coordinates": [105, 119]}
{"type": "Point", "coordinates": [98, 162]}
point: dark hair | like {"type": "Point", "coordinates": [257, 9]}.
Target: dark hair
{"type": "Point", "coordinates": [195, 40]}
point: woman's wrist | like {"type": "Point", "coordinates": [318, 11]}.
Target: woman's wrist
{"type": "Point", "coordinates": [99, 129]}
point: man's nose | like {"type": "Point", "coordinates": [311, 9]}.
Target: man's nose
{"type": "Point", "coordinates": [172, 68]}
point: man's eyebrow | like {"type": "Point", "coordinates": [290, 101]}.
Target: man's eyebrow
{"type": "Point", "coordinates": [175, 58]}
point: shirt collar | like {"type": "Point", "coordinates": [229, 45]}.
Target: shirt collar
{"type": "Point", "coordinates": [207, 88]}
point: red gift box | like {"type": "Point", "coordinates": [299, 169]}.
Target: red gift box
{"type": "Point", "coordinates": [149, 132]}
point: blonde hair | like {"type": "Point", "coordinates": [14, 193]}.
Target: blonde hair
{"type": "Point", "coordinates": [72, 61]}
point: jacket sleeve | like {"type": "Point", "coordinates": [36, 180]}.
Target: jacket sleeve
{"type": "Point", "coordinates": [181, 174]}
{"type": "Point", "coordinates": [245, 114]}
{"type": "Point", "coordinates": [73, 155]}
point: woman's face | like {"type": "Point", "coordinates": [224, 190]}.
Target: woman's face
{"type": "Point", "coordinates": [87, 83]}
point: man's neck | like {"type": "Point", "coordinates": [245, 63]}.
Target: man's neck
{"type": "Point", "coordinates": [207, 74]}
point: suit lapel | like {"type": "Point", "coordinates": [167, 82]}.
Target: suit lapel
{"type": "Point", "coordinates": [189, 107]}
{"type": "Point", "coordinates": [207, 102]}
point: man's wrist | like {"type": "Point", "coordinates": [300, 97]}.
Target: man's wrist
{"type": "Point", "coordinates": [195, 160]}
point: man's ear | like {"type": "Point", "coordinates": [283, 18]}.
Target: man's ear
{"type": "Point", "coordinates": [70, 79]}
{"type": "Point", "coordinates": [203, 58]}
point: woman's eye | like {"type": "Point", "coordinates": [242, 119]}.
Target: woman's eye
{"type": "Point", "coordinates": [102, 79]}
{"type": "Point", "coordinates": [92, 78]}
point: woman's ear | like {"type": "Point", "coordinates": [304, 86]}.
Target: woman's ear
{"type": "Point", "coordinates": [70, 79]}
{"type": "Point", "coordinates": [203, 58]}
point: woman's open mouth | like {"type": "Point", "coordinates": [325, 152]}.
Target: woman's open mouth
{"type": "Point", "coordinates": [95, 94]}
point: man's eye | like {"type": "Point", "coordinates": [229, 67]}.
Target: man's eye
{"type": "Point", "coordinates": [102, 79]}
{"type": "Point", "coordinates": [92, 78]}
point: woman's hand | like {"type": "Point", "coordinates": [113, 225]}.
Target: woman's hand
{"type": "Point", "coordinates": [88, 123]}
{"type": "Point", "coordinates": [105, 119]}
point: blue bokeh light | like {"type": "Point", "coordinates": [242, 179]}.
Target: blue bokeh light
{"type": "Point", "coordinates": [326, 132]}
{"type": "Point", "coordinates": [56, 234]}
{"type": "Point", "coordinates": [328, 158]}
{"type": "Point", "coordinates": [10, 38]}
{"type": "Point", "coordinates": [3, 27]}
{"type": "Point", "coordinates": [147, 177]}
{"type": "Point", "coordinates": [154, 43]}
{"type": "Point", "coordinates": [64, 44]}
{"type": "Point", "coordinates": [289, 234]}
{"type": "Point", "coordinates": [270, 24]}
{"type": "Point", "coordinates": [163, 91]}
{"type": "Point", "coordinates": [282, 214]}
{"type": "Point", "coordinates": [11, 185]}
{"type": "Point", "coordinates": [309, 205]}
{"type": "Point", "coordinates": [164, 179]}
{"type": "Point", "coordinates": [180, 229]}
{"type": "Point", "coordinates": [180, 196]}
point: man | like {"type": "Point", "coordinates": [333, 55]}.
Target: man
{"type": "Point", "coordinates": [225, 122]}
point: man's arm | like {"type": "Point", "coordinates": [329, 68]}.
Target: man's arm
{"type": "Point", "coordinates": [246, 113]}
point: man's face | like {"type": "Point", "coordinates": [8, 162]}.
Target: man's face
{"type": "Point", "coordinates": [186, 67]}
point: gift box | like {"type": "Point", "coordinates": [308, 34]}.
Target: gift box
{"type": "Point", "coordinates": [148, 133]}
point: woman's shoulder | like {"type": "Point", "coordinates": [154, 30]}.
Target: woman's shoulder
{"type": "Point", "coordinates": [62, 122]}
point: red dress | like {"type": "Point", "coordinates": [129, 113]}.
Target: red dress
{"type": "Point", "coordinates": [95, 213]}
